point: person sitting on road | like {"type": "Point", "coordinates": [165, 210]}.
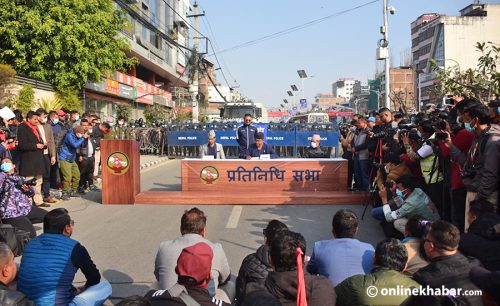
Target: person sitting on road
{"type": "Point", "coordinates": [315, 150]}
{"type": "Point", "coordinates": [8, 271]}
{"type": "Point", "coordinates": [50, 262]}
{"type": "Point", "coordinates": [256, 266]}
{"type": "Point", "coordinates": [212, 148]}
{"type": "Point", "coordinates": [448, 268]}
{"type": "Point", "coordinates": [16, 208]}
{"type": "Point", "coordinates": [287, 256]}
{"type": "Point", "coordinates": [344, 256]}
{"type": "Point", "coordinates": [193, 230]}
{"type": "Point", "coordinates": [409, 201]}
{"type": "Point", "coordinates": [415, 230]}
{"type": "Point", "coordinates": [389, 263]}
{"type": "Point", "coordinates": [193, 269]}
{"type": "Point", "coordinates": [260, 147]}
{"type": "Point", "coordinates": [482, 240]}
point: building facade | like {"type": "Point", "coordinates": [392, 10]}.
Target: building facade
{"type": "Point", "coordinates": [343, 88]}
{"type": "Point", "coordinates": [158, 36]}
{"type": "Point", "coordinates": [326, 101]}
{"type": "Point", "coordinates": [450, 41]}
{"type": "Point", "coordinates": [401, 86]}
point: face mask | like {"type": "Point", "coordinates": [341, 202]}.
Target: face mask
{"type": "Point", "coordinates": [77, 117]}
{"type": "Point", "coordinates": [469, 127]}
{"type": "Point", "coordinates": [419, 134]}
{"type": "Point", "coordinates": [43, 120]}
{"type": "Point", "coordinates": [6, 167]}
{"type": "Point", "coordinates": [121, 122]}
{"type": "Point", "coordinates": [89, 131]}
{"type": "Point", "coordinates": [79, 135]}
{"type": "Point", "coordinates": [56, 121]}
{"type": "Point", "coordinates": [400, 194]}
{"type": "Point", "coordinates": [386, 170]}
{"type": "Point", "coordinates": [353, 129]}
{"type": "Point", "coordinates": [314, 145]}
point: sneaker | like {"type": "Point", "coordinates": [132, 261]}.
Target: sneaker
{"type": "Point", "coordinates": [49, 199]}
{"type": "Point", "coordinates": [74, 194]}
{"type": "Point", "coordinates": [93, 188]}
{"type": "Point", "coordinates": [65, 196]}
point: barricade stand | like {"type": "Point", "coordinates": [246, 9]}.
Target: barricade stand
{"type": "Point", "coordinates": [120, 163]}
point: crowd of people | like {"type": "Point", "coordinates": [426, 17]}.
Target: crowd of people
{"type": "Point", "coordinates": [433, 179]}
{"type": "Point", "coordinates": [45, 153]}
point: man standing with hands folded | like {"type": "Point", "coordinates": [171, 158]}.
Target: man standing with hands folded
{"type": "Point", "coordinates": [31, 147]}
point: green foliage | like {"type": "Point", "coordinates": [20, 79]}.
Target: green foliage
{"type": "Point", "coordinates": [124, 110]}
{"type": "Point", "coordinates": [69, 99]}
{"type": "Point", "coordinates": [26, 99]}
{"type": "Point", "coordinates": [7, 78]}
{"type": "Point", "coordinates": [50, 104]}
{"type": "Point", "coordinates": [155, 112]}
{"type": "Point", "coordinates": [65, 42]}
{"type": "Point", "coordinates": [482, 82]}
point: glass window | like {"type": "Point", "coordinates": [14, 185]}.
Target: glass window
{"type": "Point", "coordinates": [144, 33]}
{"type": "Point", "coordinates": [154, 11]}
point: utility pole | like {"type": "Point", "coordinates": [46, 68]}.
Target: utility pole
{"type": "Point", "coordinates": [194, 88]}
{"type": "Point", "coordinates": [387, 102]}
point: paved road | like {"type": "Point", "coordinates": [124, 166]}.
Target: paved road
{"type": "Point", "coordinates": [123, 239]}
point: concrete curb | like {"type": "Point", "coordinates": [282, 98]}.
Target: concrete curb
{"type": "Point", "coordinates": [153, 163]}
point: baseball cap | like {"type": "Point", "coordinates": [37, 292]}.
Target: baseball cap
{"type": "Point", "coordinates": [60, 112]}
{"type": "Point", "coordinates": [371, 119]}
{"type": "Point", "coordinates": [194, 264]}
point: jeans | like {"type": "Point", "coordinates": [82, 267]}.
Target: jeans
{"type": "Point", "coordinates": [94, 295]}
{"type": "Point", "coordinates": [362, 172]}
{"type": "Point", "coordinates": [378, 213]}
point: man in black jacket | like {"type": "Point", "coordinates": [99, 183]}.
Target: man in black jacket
{"type": "Point", "coordinates": [482, 240]}
{"type": "Point", "coordinates": [246, 135]}
{"type": "Point", "coordinates": [282, 283]}
{"type": "Point", "coordinates": [8, 271]}
{"type": "Point", "coordinates": [315, 150]}
{"type": "Point", "coordinates": [256, 266]}
{"type": "Point", "coordinates": [31, 147]}
{"type": "Point", "coordinates": [448, 268]}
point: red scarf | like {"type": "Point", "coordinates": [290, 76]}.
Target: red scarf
{"type": "Point", "coordinates": [301, 282]}
{"type": "Point", "coordinates": [34, 129]}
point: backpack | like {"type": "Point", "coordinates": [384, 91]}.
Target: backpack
{"type": "Point", "coordinates": [16, 238]}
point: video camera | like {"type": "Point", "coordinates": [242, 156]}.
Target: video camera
{"type": "Point", "coordinates": [22, 181]}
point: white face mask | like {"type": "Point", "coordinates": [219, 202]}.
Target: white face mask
{"type": "Point", "coordinates": [121, 122]}
{"type": "Point", "coordinates": [43, 120]}
{"type": "Point", "coordinates": [79, 135]}
{"type": "Point", "coordinates": [77, 117]}
{"type": "Point", "coordinates": [314, 145]}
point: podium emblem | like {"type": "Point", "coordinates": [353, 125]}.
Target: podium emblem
{"type": "Point", "coordinates": [209, 175]}
{"type": "Point", "coordinates": [118, 163]}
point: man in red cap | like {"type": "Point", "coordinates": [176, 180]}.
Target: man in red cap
{"type": "Point", "coordinates": [193, 270]}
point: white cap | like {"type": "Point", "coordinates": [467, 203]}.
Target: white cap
{"type": "Point", "coordinates": [211, 134]}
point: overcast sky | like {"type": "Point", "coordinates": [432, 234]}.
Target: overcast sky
{"type": "Point", "coordinates": [341, 46]}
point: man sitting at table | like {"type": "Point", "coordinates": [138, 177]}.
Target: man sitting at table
{"type": "Point", "coordinates": [212, 148]}
{"type": "Point", "coordinates": [315, 150]}
{"type": "Point", "coordinates": [259, 148]}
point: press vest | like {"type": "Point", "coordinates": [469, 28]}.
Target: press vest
{"type": "Point", "coordinates": [430, 168]}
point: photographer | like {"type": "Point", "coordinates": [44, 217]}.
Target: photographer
{"type": "Point", "coordinates": [476, 118]}
{"type": "Point", "coordinates": [384, 134]}
{"type": "Point", "coordinates": [392, 168]}
{"type": "Point", "coordinates": [361, 155]}
{"type": "Point", "coordinates": [346, 141]}
{"type": "Point", "coordinates": [462, 139]}
{"type": "Point", "coordinates": [15, 203]}
{"type": "Point", "coordinates": [409, 201]}
{"type": "Point", "coordinates": [430, 164]}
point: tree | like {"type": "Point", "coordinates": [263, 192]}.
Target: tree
{"type": "Point", "coordinates": [482, 82]}
{"type": "Point", "coordinates": [26, 98]}
{"type": "Point", "coordinates": [65, 42]}
{"type": "Point", "coordinates": [7, 78]}
{"type": "Point", "coordinates": [124, 110]}
{"type": "Point", "coordinates": [154, 112]}
{"type": "Point", "coordinates": [69, 99]}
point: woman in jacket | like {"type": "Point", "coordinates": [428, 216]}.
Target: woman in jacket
{"type": "Point", "coordinates": [212, 148]}
{"type": "Point", "coordinates": [15, 200]}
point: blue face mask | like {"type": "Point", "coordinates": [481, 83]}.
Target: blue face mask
{"type": "Point", "coordinates": [353, 129]}
{"type": "Point", "coordinates": [468, 127]}
{"type": "Point", "coordinates": [6, 167]}
{"type": "Point", "coordinates": [419, 134]}
{"type": "Point", "coordinates": [56, 121]}
{"type": "Point", "coordinates": [400, 194]}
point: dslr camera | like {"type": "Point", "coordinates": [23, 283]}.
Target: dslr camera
{"type": "Point", "coordinates": [22, 181]}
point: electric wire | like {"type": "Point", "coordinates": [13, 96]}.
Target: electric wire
{"type": "Point", "coordinates": [294, 28]}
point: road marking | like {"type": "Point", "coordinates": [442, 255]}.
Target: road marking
{"type": "Point", "coordinates": [234, 218]}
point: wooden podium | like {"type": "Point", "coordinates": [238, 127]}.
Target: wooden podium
{"type": "Point", "coordinates": [120, 164]}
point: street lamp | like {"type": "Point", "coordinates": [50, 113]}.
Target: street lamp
{"type": "Point", "coordinates": [302, 76]}
{"type": "Point", "coordinates": [383, 50]}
